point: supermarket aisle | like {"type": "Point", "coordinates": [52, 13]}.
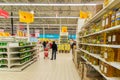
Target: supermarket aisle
{"type": "Point", "coordinates": [61, 69]}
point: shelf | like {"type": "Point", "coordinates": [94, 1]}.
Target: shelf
{"type": "Point", "coordinates": [18, 58]}
{"type": "Point", "coordinates": [3, 46]}
{"type": "Point", "coordinates": [3, 52]}
{"type": "Point", "coordinates": [97, 69]}
{"type": "Point", "coordinates": [22, 63]}
{"type": "Point", "coordinates": [4, 64]}
{"type": "Point", "coordinates": [111, 5]}
{"type": "Point", "coordinates": [22, 52]}
{"type": "Point", "coordinates": [106, 30]}
{"type": "Point", "coordinates": [113, 64]}
{"type": "Point", "coordinates": [23, 67]}
{"type": "Point", "coordinates": [102, 45]}
{"type": "Point", "coordinates": [3, 58]}
{"type": "Point", "coordinates": [21, 46]}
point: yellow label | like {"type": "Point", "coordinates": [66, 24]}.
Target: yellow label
{"type": "Point", "coordinates": [26, 17]}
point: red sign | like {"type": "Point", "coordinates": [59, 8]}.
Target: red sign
{"type": "Point", "coordinates": [4, 13]}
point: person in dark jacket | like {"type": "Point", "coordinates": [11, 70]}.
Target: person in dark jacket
{"type": "Point", "coordinates": [44, 44]}
{"type": "Point", "coordinates": [54, 50]}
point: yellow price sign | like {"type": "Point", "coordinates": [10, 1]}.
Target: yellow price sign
{"type": "Point", "coordinates": [64, 29]}
{"type": "Point", "coordinates": [26, 17]}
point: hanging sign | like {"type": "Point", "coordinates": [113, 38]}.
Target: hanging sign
{"type": "Point", "coordinates": [4, 13]}
{"type": "Point", "coordinates": [26, 17]}
{"type": "Point", "coordinates": [84, 15]}
{"type": "Point", "coordinates": [64, 29]}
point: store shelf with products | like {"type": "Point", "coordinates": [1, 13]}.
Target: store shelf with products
{"type": "Point", "coordinates": [102, 45]}
{"type": "Point", "coordinates": [102, 31]}
{"type": "Point", "coordinates": [100, 39]}
{"type": "Point", "coordinates": [97, 68]}
{"type": "Point", "coordinates": [111, 5]}
{"type": "Point", "coordinates": [114, 64]}
{"type": "Point", "coordinates": [16, 54]}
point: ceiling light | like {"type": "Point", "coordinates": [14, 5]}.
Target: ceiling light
{"type": "Point", "coordinates": [40, 4]}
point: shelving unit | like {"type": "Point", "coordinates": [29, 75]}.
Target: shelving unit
{"type": "Point", "coordinates": [97, 69]}
{"type": "Point", "coordinates": [102, 31]}
{"type": "Point", "coordinates": [18, 57]}
{"type": "Point", "coordinates": [111, 5]}
{"type": "Point", "coordinates": [114, 64]}
{"type": "Point", "coordinates": [83, 40]}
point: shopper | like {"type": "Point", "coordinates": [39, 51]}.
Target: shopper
{"type": "Point", "coordinates": [73, 46]}
{"type": "Point", "coordinates": [54, 50]}
{"type": "Point", "coordinates": [44, 44]}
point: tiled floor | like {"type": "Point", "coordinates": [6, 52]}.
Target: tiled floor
{"type": "Point", "coordinates": [61, 69]}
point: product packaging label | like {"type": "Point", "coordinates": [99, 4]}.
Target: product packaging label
{"type": "Point", "coordinates": [109, 38]}
{"type": "Point", "coordinates": [114, 38]}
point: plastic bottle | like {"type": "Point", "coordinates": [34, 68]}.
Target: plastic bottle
{"type": "Point", "coordinates": [117, 22]}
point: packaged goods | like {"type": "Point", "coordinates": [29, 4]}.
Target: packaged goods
{"type": "Point", "coordinates": [108, 20]}
{"type": "Point", "coordinates": [109, 55]}
{"type": "Point", "coordinates": [106, 2]}
{"type": "Point", "coordinates": [101, 66]}
{"type": "Point", "coordinates": [113, 18]}
{"type": "Point", "coordinates": [109, 38]}
{"type": "Point", "coordinates": [117, 57]}
{"type": "Point", "coordinates": [108, 70]}
{"type": "Point", "coordinates": [103, 22]}
{"type": "Point", "coordinates": [117, 22]}
{"type": "Point", "coordinates": [116, 37]}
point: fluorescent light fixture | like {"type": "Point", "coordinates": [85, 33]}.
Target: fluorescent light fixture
{"type": "Point", "coordinates": [49, 24]}
{"type": "Point", "coordinates": [50, 4]}
{"type": "Point", "coordinates": [48, 17]}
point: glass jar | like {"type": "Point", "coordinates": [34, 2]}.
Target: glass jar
{"type": "Point", "coordinates": [117, 22]}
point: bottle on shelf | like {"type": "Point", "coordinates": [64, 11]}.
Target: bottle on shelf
{"type": "Point", "coordinates": [117, 22]}
{"type": "Point", "coordinates": [113, 18]}
{"type": "Point", "coordinates": [104, 22]}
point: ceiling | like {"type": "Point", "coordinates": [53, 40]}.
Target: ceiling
{"type": "Point", "coordinates": [47, 16]}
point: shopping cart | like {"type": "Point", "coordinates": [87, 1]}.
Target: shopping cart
{"type": "Point", "coordinates": [46, 53]}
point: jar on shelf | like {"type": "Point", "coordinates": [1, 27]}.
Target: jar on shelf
{"type": "Point", "coordinates": [103, 22]}
{"type": "Point", "coordinates": [113, 18]}
{"type": "Point", "coordinates": [117, 22]}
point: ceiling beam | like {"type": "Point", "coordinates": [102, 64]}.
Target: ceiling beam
{"type": "Point", "coordinates": [47, 4]}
